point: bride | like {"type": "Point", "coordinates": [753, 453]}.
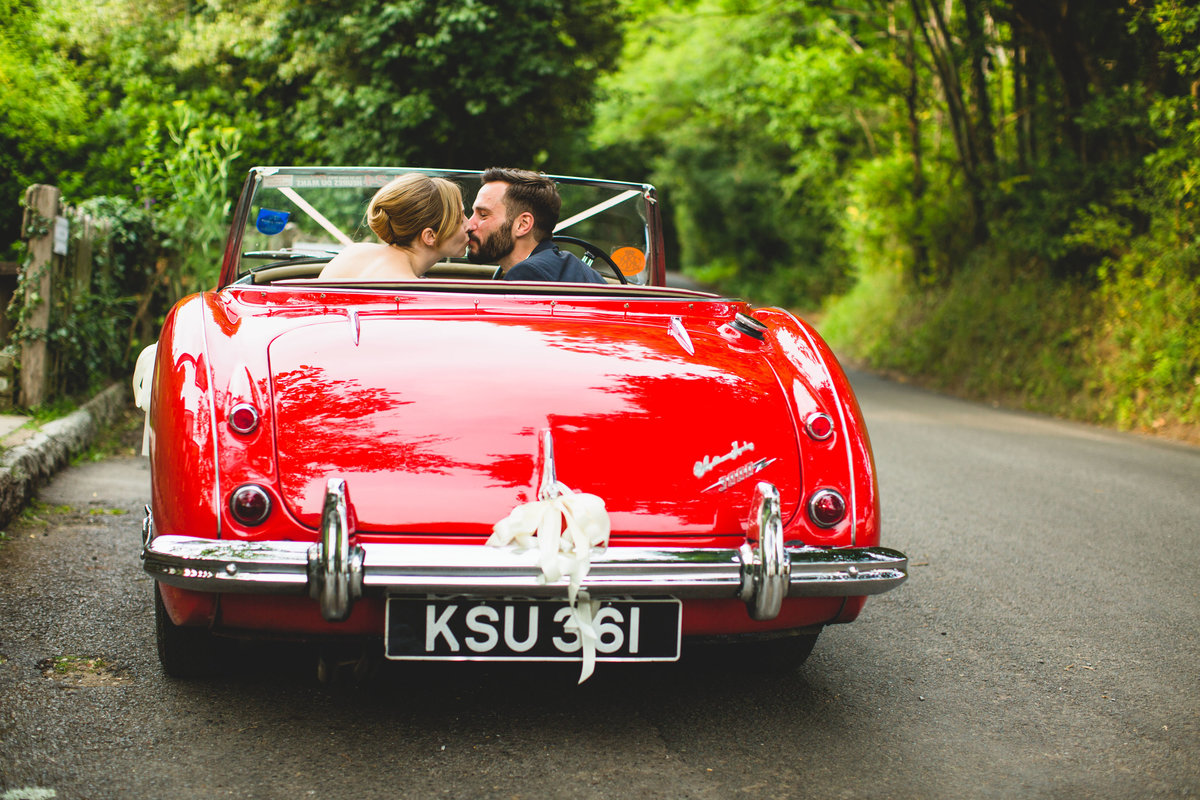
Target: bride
{"type": "Point", "coordinates": [420, 220]}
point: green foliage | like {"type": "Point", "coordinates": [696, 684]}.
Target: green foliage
{"type": "Point", "coordinates": [134, 243]}
{"type": "Point", "coordinates": [695, 91]}
{"type": "Point", "coordinates": [1123, 352]}
{"type": "Point", "coordinates": [92, 331]}
{"type": "Point", "coordinates": [184, 176]}
{"type": "Point", "coordinates": [1147, 369]}
{"type": "Point", "coordinates": [42, 109]}
{"type": "Point", "coordinates": [420, 81]}
{"type": "Point", "coordinates": [985, 335]}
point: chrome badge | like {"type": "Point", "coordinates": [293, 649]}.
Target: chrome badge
{"type": "Point", "coordinates": [706, 465]}
{"type": "Point", "coordinates": [740, 474]}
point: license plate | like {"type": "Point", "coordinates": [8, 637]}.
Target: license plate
{"type": "Point", "coordinates": [466, 629]}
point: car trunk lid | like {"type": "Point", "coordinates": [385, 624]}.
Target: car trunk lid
{"type": "Point", "coordinates": [435, 423]}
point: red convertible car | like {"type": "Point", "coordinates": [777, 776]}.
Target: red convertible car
{"type": "Point", "coordinates": [467, 468]}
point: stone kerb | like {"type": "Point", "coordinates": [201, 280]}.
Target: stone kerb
{"type": "Point", "coordinates": [34, 461]}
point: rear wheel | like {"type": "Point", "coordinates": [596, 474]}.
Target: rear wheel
{"type": "Point", "coordinates": [785, 655]}
{"type": "Point", "coordinates": [184, 652]}
{"type": "Point", "coordinates": [772, 656]}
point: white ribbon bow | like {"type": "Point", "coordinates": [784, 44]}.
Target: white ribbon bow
{"type": "Point", "coordinates": [564, 529]}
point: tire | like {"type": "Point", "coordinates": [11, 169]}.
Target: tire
{"type": "Point", "coordinates": [183, 652]}
{"type": "Point", "coordinates": [774, 656]}
{"type": "Point", "coordinates": [788, 654]}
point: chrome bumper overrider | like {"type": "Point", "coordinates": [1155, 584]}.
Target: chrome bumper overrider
{"type": "Point", "coordinates": [762, 571]}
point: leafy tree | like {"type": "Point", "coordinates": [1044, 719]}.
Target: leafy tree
{"type": "Point", "coordinates": [42, 109]}
{"type": "Point", "coordinates": [420, 81]}
{"type": "Point", "coordinates": [700, 89]}
{"type": "Point", "coordinates": [351, 81]}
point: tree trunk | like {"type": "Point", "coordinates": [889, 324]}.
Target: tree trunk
{"type": "Point", "coordinates": [937, 38]}
{"type": "Point", "coordinates": [920, 266]}
{"type": "Point", "coordinates": [983, 129]}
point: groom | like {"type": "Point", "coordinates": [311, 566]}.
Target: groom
{"type": "Point", "coordinates": [511, 223]}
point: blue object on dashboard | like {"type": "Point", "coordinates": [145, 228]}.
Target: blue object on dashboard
{"type": "Point", "coordinates": [270, 222]}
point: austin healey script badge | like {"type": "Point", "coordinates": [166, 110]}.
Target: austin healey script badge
{"type": "Point", "coordinates": [740, 474]}
{"type": "Point", "coordinates": [706, 465]}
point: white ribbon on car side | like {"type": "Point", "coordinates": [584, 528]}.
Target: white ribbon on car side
{"type": "Point", "coordinates": [564, 528]}
{"type": "Point", "coordinates": [143, 381]}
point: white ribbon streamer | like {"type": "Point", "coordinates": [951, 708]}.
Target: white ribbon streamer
{"type": "Point", "coordinates": [564, 529]}
{"type": "Point", "coordinates": [143, 381]}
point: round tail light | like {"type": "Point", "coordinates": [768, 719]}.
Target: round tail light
{"type": "Point", "coordinates": [243, 418]}
{"type": "Point", "coordinates": [250, 504]}
{"type": "Point", "coordinates": [826, 508]}
{"type": "Point", "coordinates": [819, 426]}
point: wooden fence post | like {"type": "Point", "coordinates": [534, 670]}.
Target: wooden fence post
{"type": "Point", "coordinates": [41, 210]}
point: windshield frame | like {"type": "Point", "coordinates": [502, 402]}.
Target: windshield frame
{"type": "Point", "coordinates": [233, 270]}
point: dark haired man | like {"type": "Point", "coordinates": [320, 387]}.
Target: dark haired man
{"type": "Point", "coordinates": [512, 220]}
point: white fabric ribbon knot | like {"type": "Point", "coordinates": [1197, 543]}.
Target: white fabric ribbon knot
{"type": "Point", "coordinates": [564, 529]}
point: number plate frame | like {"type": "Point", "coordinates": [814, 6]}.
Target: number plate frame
{"type": "Point", "coordinates": [648, 629]}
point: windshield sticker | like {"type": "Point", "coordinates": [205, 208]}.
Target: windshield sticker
{"type": "Point", "coordinates": [705, 466]}
{"type": "Point", "coordinates": [270, 222]}
{"type": "Point", "coordinates": [740, 474]}
{"type": "Point", "coordinates": [354, 181]}
{"type": "Point", "coordinates": [629, 260]}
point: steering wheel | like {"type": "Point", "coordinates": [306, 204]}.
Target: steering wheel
{"type": "Point", "coordinates": [595, 252]}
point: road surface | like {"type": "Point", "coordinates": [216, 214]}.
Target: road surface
{"type": "Point", "coordinates": [1045, 646]}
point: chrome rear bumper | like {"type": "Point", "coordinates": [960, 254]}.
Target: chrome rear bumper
{"type": "Point", "coordinates": [762, 571]}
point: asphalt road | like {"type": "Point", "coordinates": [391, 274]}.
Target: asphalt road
{"type": "Point", "coordinates": [1047, 645]}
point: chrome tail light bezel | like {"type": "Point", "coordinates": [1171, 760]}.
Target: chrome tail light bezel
{"type": "Point", "coordinates": [819, 518]}
{"type": "Point", "coordinates": [238, 509]}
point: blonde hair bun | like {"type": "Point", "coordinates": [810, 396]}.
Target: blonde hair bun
{"type": "Point", "coordinates": [404, 207]}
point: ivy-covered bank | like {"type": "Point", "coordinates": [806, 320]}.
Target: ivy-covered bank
{"type": "Point", "coordinates": [1122, 352]}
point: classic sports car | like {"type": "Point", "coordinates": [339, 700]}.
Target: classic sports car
{"type": "Point", "coordinates": [463, 468]}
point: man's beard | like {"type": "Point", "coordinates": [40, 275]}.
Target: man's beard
{"type": "Point", "coordinates": [497, 246]}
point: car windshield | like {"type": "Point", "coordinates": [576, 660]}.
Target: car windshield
{"type": "Point", "coordinates": [292, 220]}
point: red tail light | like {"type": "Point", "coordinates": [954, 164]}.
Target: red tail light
{"type": "Point", "coordinates": [243, 418]}
{"type": "Point", "coordinates": [826, 508]}
{"type": "Point", "coordinates": [250, 504]}
{"type": "Point", "coordinates": [819, 426]}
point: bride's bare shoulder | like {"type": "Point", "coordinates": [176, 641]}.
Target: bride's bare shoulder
{"type": "Point", "coordinates": [352, 259]}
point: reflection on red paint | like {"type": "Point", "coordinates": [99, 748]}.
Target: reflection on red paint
{"type": "Point", "coordinates": [421, 414]}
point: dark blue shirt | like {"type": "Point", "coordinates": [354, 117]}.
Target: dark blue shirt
{"type": "Point", "coordinates": [548, 263]}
